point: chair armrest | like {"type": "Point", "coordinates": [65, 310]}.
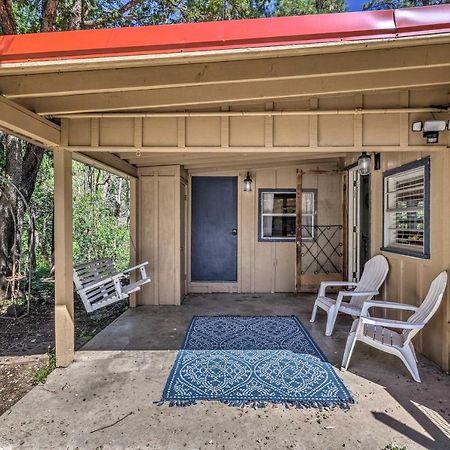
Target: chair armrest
{"type": "Point", "coordinates": [357, 294]}
{"type": "Point", "coordinates": [130, 269]}
{"type": "Point", "coordinates": [343, 294]}
{"type": "Point", "coordinates": [389, 305]}
{"type": "Point", "coordinates": [391, 323]}
{"type": "Point", "coordinates": [326, 284]}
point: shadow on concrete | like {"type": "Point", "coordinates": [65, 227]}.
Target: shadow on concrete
{"type": "Point", "coordinates": [156, 328]}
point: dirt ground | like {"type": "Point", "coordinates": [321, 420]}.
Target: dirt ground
{"type": "Point", "coordinates": [25, 342]}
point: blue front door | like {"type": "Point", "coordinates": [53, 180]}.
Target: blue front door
{"type": "Point", "coordinates": [214, 229]}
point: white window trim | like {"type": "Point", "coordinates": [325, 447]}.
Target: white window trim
{"type": "Point", "coordinates": [262, 214]}
{"type": "Point", "coordinates": [422, 251]}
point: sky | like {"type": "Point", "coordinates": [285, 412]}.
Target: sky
{"type": "Point", "coordinates": [355, 5]}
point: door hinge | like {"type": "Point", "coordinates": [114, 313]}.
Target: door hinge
{"type": "Point", "coordinates": [354, 275]}
{"type": "Point", "coordinates": [355, 229]}
{"type": "Point", "coordinates": [355, 183]}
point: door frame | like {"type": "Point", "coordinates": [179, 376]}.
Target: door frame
{"type": "Point", "coordinates": [353, 223]}
{"type": "Point", "coordinates": [310, 283]}
{"type": "Point", "coordinates": [209, 287]}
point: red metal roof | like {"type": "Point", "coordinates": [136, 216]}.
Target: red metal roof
{"type": "Point", "coordinates": [233, 34]}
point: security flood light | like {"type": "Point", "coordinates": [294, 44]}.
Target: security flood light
{"type": "Point", "coordinates": [431, 129]}
{"type": "Point", "coordinates": [434, 125]}
{"type": "Point", "coordinates": [417, 126]}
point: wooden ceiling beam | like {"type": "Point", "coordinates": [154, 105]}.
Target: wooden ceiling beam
{"type": "Point", "coordinates": [239, 92]}
{"type": "Point", "coordinates": [21, 122]}
{"type": "Point", "coordinates": [186, 159]}
{"type": "Point", "coordinates": [107, 161]}
{"type": "Point", "coordinates": [158, 77]}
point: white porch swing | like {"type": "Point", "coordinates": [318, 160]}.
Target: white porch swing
{"type": "Point", "coordinates": [99, 284]}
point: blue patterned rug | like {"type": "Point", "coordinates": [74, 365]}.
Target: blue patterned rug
{"type": "Point", "coordinates": [250, 361]}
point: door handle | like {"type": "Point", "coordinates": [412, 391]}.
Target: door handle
{"type": "Point", "coordinates": [234, 231]}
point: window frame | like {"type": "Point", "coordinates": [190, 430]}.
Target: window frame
{"type": "Point", "coordinates": [425, 254]}
{"type": "Point", "coordinates": [261, 192]}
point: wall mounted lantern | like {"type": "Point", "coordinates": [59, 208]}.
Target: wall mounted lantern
{"type": "Point", "coordinates": [431, 129]}
{"type": "Point", "coordinates": [364, 164]}
{"type": "Point", "coordinates": [248, 183]}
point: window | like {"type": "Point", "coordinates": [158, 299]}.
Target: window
{"type": "Point", "coordinates": [407, 210]}
{"type": "Point", "coordinates": [277, 214]}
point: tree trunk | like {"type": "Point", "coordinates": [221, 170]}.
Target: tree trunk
{"type": "Point", "coordinates": [21, 172]}
{"type": "Point", "coordinates": [7, 22]}
{"type": "Point", "coordinates": [50, 8]}
{"type": "Point", "coordinates": [9, 203]}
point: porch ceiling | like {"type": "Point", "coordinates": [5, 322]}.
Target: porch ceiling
{"type": "Point", "coordinates": [217, 84]}
{"type": "Point", "coordinates": [231, 160]}
{"type": "Point", "coordinates": [43, 91]}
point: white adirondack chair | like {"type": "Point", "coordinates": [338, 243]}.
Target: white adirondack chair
{"type": "Point", "coordinates": [98, 283]}
{"type": "Point", "coordinates": [377, 332]}
{"type": "Point", "coordinates": [374, 273]}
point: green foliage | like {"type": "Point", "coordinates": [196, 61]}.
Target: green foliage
{"type": "Point", "coordinates": [42, 209]}
{"type": "Point", "coordinates": [394, 447]}
{"type": "Point", "coordinates": [302, 7]}
{"type": "Point", "coordinates": [396, 4]}
{"type": "Point", "coordinates": [41, 374]}
{"type": "Point", "coordinates": [27, 14]}
{"type": "Point", "coordinates": [101, 216]}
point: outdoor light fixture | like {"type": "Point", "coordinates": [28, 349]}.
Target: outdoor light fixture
{"type": "Point", "coordinates": [248, 183]}
{"type": "Point", "coordinates": [364, 164]}
{"type": "Point", "coordinates": [431, 129]}
{"type": "Point", "coordinates": [417, 126]}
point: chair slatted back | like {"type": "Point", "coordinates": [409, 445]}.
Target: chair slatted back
{"type": "Point", "coordinates": [373, 276]}
{"type": "Point", "coordinates": [92, 272]}
{"type": "Point", "coordinates": [429, 305]}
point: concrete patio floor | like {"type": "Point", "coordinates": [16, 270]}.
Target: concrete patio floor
{"type": "Point", "coordinates": [105, 398]}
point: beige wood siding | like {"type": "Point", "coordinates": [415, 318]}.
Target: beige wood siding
{"type": "Point", "coordinates": [303, 133]}
{"type": "Point", "coordinates": [160, 233]}
{"type": "Point", "coordinates": [409, 278]}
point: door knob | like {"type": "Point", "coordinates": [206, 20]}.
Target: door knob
{"type": "Point", "coordinates": [234, 231]}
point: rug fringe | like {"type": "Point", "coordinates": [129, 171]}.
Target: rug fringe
{"type": "Point", "coordinates": [256, 404]}
{"type": "Point", "coordinates": [181, 403]}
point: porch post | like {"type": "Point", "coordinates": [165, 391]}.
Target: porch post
{"type": "Point", "coordinates": [134, 184]}
{"type": "Point", "coordinates": [64, 314]}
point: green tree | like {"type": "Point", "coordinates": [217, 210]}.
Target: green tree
{"type": "Point", "coordinates": [302, 7]}
{"type": "Point", "coordinates": [101, 215]}
{"type": "Point", "coordinates": [396, 4]}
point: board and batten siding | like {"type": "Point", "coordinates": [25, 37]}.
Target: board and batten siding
{"type": "Point", "coordinates": [262, 266]}
{"type": "Point", "coordinates": [409, 277]}
{"type": "Point", "coordinates": [161, 234]}
{"type": "Point", "coordinates": [302, 133]}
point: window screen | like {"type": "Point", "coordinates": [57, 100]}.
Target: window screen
{"type": "Point", "coordinates": [406, 209]}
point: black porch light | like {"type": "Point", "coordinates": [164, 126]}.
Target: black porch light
{"type": "Point", "coordinates": [248, 183]}
{"type": "Point", "coordinates": [364, 164]}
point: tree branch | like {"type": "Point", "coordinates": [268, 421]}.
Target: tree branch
{"type": "Point", "coordinates": [119, 13]}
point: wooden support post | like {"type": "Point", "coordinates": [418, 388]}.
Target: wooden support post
{"type": "Point", "coordinates": [134, 220]}
{"type": "Point", "coordinates": [64, 314]}
{"type": "Point", "coordinates": [298, 231]}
